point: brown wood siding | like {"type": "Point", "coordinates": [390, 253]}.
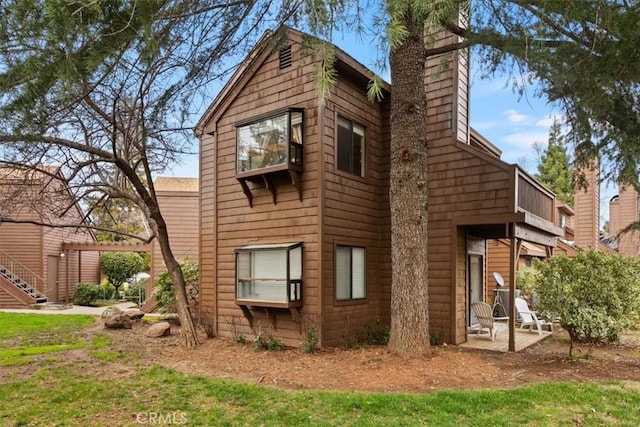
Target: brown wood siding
{"type": "Point", "coordinates": [180, 212]}
{"type": "Point", "coordinates": [31, 244]}
{"type": "Point", "coordinates": [462, 182]}
{"type": "Point", "coordinates": [76, 266]}
{"type": "Point", "coordinates": [614, 216]}
{"type": "Point", "coordinates": [207, 249]}
{"type": "Point", "coordinates": [229, 223]}
{"type": "Point", "coordinates": [356, 214]}
{"type": "Point", "coordinates": [498, 261]}
{"type": "Point", "coordinates": [23, 242]}
{"type": "Point", "coordinates": [587, 211]}
{"type": "Point", "coordinates": [628, 243]}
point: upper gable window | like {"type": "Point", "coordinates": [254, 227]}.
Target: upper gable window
{"type": "Point", "coordinates": [273, 141]}
{"type": "Point", "coordinates": [350, 147]}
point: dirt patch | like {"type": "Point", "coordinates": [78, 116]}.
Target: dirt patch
{"type": "Point", "coordinates": [375, 369]}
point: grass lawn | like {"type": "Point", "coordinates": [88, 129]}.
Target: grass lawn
{"type": "Point", "coordinates": [25, 324]}
{"type": "Point", "coordinates": [23, 335]}
{"type": "Point", "coordinates": [99, 390]}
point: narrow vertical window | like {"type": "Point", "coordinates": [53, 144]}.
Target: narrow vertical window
{"type": "Point", "coordinates": [350, 147]}
{"type": "Point", "coordinates": [350, 273]}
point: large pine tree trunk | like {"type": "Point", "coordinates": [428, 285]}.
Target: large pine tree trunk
{"type": "Point", "coordinates": [187, 327]}
{"type": "Point", "coordinates": [408, 192]}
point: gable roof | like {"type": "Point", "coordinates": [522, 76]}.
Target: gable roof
{"type": "Point", "coordinates": [264, 48]}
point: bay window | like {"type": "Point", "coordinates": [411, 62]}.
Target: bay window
{"type": "Point", "coordinates": [272, 142]}
{"type": "Point", "coordinates": [269, 275]}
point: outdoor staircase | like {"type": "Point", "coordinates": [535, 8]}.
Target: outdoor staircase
{"type": "Point", "coordinates": [22, 279]}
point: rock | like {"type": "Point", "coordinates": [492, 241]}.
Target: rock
{"type": "Point", "coordinates": [134, 314]}
{"type": "Point", "coordinates": [118, 321]}
{"type": "Point", "coordinates": [159, 329]}
{"type": "Point", "coordinates": [111, 311]}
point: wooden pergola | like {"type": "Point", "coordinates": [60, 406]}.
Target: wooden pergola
{"type": "Point", "coordinates": [97, 247]}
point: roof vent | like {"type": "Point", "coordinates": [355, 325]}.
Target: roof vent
{"type": "Point", "coordinates": [285, 57]}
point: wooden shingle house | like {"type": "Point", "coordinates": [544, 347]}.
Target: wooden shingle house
{"type": "Point", "coordinates": [36, 263]}
{"type": "Point", "coordinates": [294, 201]}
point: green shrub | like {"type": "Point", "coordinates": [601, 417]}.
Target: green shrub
{"type": "Point", "coordinates": [163, 289]}
{"type": "Point", "coordinates": [108, 291]}
{"type": "Point", "coordinates": [376, 333]}
{"type": "Point", "coordinates": [595, 295]}
{"type": "Point", "coordinates": [86, 293]}
{"type": "Point", "coordinates": [262, 342]}
{"type": "Point", "coordinates": [135, 291]}
{"type": "Point", "coordinates": [310, 344]}
{"type": "Point", "coordinates": [526, 280]}
{"type": "Point", "coordinates": [434, 338]}
{"type": "Point", "coordinates": [119, 266]}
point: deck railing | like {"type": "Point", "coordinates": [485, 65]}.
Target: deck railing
{"type": "Point", "coordinates": [19, 270]}
{"type": "Point", "coordinates": [532, 197]}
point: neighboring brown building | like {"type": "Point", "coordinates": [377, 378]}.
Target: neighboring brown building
{"type": "Point", "coordinates": [623, 210]}
{"type": "Point", "coordinates": [294, 208]}
{"type": "Point", "coordinates": [586, 204]}
{"type": "Point", "coordinates": [179, 200]}
{"type": "Point", "coordinates": [34, 265]}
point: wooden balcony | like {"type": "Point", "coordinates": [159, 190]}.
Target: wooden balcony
{"type": "Point", "coordinates": [533, 197]}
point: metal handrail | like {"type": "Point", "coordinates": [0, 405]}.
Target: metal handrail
{"type": "Point", "coordinates": [22, 272]}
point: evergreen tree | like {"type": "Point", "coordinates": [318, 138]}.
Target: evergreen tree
{"type": "Point", "coordinates": [555, 169]}
{"type": "Point", "coordinates": [103, 92]}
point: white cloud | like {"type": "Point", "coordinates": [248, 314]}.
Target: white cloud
{"type": "Point", "coordinates": [525, 140]}
{"type": "Point", "coordinates": [547, 121]}
{"type": "Point", "coordinates": [513, 116]}
{"type": "Point", "coordinates": [487, 125]}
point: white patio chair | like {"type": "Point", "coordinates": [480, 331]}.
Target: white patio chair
{"type": "Point", "coordinates": [484, 313]}
{"type": "Point", "coordinates": [528, 317]}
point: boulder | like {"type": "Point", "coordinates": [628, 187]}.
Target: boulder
{"type": "Point", "coordinates": [134, 314]}
{"type": "Point", "coordinates": [111, 311]}
{"type": "Point", "coordinates": [159, 329]}
{"type": "Point", "coordinates": [118, 321]}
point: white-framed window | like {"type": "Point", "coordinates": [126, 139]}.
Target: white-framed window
{"type": "Point", "coordinates": [350, 273]}
{"type": "Point", "coordinates": [350, 147]}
